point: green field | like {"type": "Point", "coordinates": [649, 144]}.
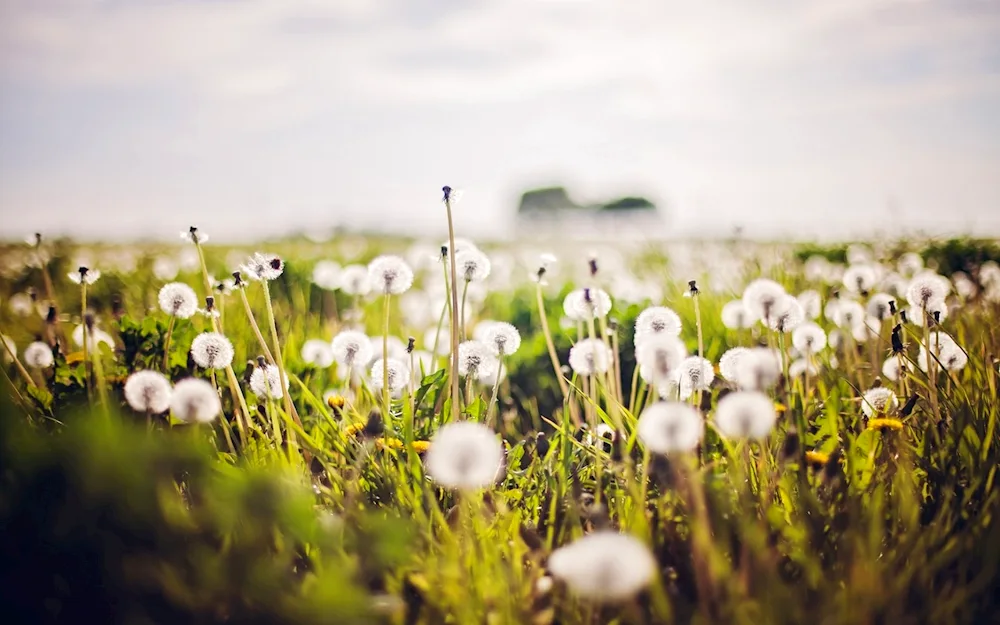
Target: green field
{"type": "Point", "coordinates": [584, 467]}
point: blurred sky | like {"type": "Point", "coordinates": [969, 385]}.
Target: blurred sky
{"type": "Point", "coordinates": [818, 118]}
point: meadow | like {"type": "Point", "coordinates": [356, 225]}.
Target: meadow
{"type": "Point", "coordinates": [370, 430]}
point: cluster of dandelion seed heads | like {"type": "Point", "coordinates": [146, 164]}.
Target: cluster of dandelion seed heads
{"type": "Point", "coordinates": [211, 350]}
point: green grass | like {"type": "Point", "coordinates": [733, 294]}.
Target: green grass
{"type": "Point", "coordinates": [107, 521]}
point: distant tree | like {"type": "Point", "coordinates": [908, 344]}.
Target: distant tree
{"type": "Point", "coordinates": [629, 203]}
{"type": "Point", "coordinates": [544, 199]}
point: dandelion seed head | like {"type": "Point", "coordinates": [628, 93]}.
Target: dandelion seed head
{"type": "Point", "coordinates": [879, 401]}
{"type": "Point", "coordinates": [730, 361]}
{"type": "Point", "coordinates": [860, 278]}
{"type": "Point", "coordinates": [148, 391]}
{"type": "Point", "coordinates": [696, 373]}
{"type": "Point", "coordinates": [390, 275]}
{"type": "Point", "coordinates": [95, 338]}
{"type": "Point", "coordinates": [892, 368]}
{"type": "Point", "coordinates": [868, 329]}
{"type": "Point", "coordinates": [194, 235]}
{"type": "Point", "coordinates": [811, 303]}
{"type": "Point", "coordinates": [195, 401]}
{"type": "Point", "coordinates": [786, 315]}
{"type": "Point", "coordinates": [590, 357]}
{"type": "Point", "coordinates": [265, 381]}
{"type": "Point", "coordinates": [604, 566]}
{"type": "Point", "coordinates": [503, 338]}
{"type": "Point", "coordinates": [326, 275]}
{"type": "Point", "coordinates": [735, 315]}
{"type": "Point", "coordinates": [352, 349]}
{"type": "Point", "coordinates": [926, 288]}
{"type": "Point", "coordinates": [211, 350]}
{"type": "Point", "coordinates": [758, 369]}
{"type": "Point", "coordinates": [472, 265]}
{"type": "Point", "coordinates": [670, 427]}
{"type": "Point", "coordinates": [878, 306]}
{"type": "Point", "coordinates": [178, 300]}
{"type": "Point", "coordinates": [659, 357]}
{"type": "Point", "coordinates": [38, 355]}
{"type": "Point", "coordinates": [585, 304]}
{"type": "Point", "coordinates": [937, 310]}
{"type": "Point", "coordinates": [910, 263]}
{"type": "Point", "coordinates": [745, 414]}
{"type": "Point", "coordinates": [21, 304]}
{"type": "Point", "coordinates": [317, 353]}
{"type": "Point", "coordinates": [354, 280]}
{"type": "Point", "coordinates": [476, 359]}
{"type": "Point", "coordinates": [809, 338]}
{"type": "Point", "coordinates": [654, 321]}
{"type": "Point", "coordinates": [800, 367]}
{"type": "Point", "coordinates": [399, 374]}
{"type": "Point", "coordinates": [848, 314]}
{"type": "Point", "coordinates": [262, 267]}
{"type": "Point", "coordinates": [465, 456]}
{"type": "Point", "coordinates": [761, 297]}
{"type": "Point", "coordinates": [84, 275]}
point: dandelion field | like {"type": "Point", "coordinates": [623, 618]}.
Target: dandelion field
{"type": "Point", "coordinates": [374, 430]}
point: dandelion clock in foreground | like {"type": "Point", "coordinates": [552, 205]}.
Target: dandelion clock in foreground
{"type": "Point", "coordinates": [211, 350]}
{"type": "Point", "coordinates": [265, 381]}
{"type": "Point", "coordinates": [604, 566]}
{"type": "Point", "coordinates": [465, 456]}
{"type": "Point", "coordinates": [148, 391]}
{"type": "Point", "coordinates": [745, 414]}
{"type": "Point", "coordinates": [590, 357]}
{"type": "Point", "coordinates": [195, 401]}
{"type": "Point", "coordinates": [38, 355]}
{"type": "Point", "coordinates": [879, 401]}
{"type": "Point", "coordinates": [398, 375]}
{"type": "Point", "coordinates": [669, 427]}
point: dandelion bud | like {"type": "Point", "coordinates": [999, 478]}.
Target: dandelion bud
{"type": "Point", "coordinates": [911, 403]}
{"type": "Point", "coordinates": [604, 566]}
{"type": "Point", "coordinates": [897, 339]}
{"type": "Point", "coordinates": [212, 350]}
{"type": "Point", "coordinates": [238, 280]}
{"type": "Point", "coordinates": [592, 265]}
{"type": "Point", "coordinates": [745, 414]}
{"type": "Point", "coordinates": [411, 344]}
{"type": "Point", "coordinates": [692, 287]}
{"type": "Point", "coordinates": [248, 372]}
{"type": "Point", "coordinates": [447, 193]}
{"type": "Point", "coordinates": [84, 275]}
{"type": "Point", "coordinates": [374, 426]}
{"type": "Point", "coordinates": [465, 456]}
{"type": "Point", "coordinates": [892, 307]}
{"type": "Point", "coordinates": [148, 391]}
{"type": "Point", "coordinates": [195, 401]}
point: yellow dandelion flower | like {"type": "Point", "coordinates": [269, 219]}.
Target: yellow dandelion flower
{"type": "Point", "coordinates": [885, 424]}
{"type": "Point", "coordinates": [817, 458]}
{"type": "Point", "coordinates": [420, 447]}
{"type": "Point", "coordinates": [388, 443]}
{"type": "Point", "coordinates": [335, 401]}
{"type": "Point", "coordinates": [779, 407]}
{"type": "Point", "coordinates": [354, 429]}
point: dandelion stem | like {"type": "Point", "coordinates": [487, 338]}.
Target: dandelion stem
{"type": "Point", "coordinates": [254, 326]}
{"type": "Point", "coordinates": [461, 316]}
{"type": "Point", "coordinates": [17, 363]}
{"type": "Point", "coordinates": [701, 338]}
{"type": "Point", "coordinates": [556, 367]}
{"type": "Point", "coordinates": [166, 345]}
{"type": "Point", "coordinates": [493, 396]}
{"type": "Point", "coordinates": [455, 413]}
{"type": "Point", "coordinates": [282, 376]}
{"type": "Point", "coordinates": [385, 358]}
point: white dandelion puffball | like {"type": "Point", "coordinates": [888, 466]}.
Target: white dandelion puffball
{"type": "Point", "coordinates": [656, 320]}
{"type": "Point", "coordinates": [399, 375]}
{"type": "Point", "coordinates": [84, 275]}
{"type": "Point", "coordinates": [317, 353]}
{"type": "Point", "coordinates": [669, 427]}
{"type": "Point", "coordinates": [927, 288]}
{"type": "Point", "coordinates": [352, 349]}
{"type": "Point", "coordinates": [604, 566]}
{"type": "Point", "coordinates": [266, 382]}
{"type": "Point", "coordinates": [696, 373]}
{"type": "Point", "coordinates": [730, 361]}
{"type": "Point", "coordinates": [354, 280]}
{"type": "Point", "coordinates": [165, 268]}
{"type": "Point", "coordinates": [38, 355]}
{"type": "Point", "coordinates": [860, 278]}
{"type": "Point", "coordinates": [937, 311]}
{"type": "Point", "coordinates": [848, 314]}
{"type": "Point", "coordinates": [892, 368]}
{"type": "Point", "coordinates": [148, 391]}
{"type": "Point", "coordinates": [949, 354]}
{"type": "Point", "coordinates": [735, 315]}
{"type": "Point", "coordinates": [869, 329]}
{"type": "Point", "coordinates": [95, 337]}
{"type": "Point", "coordinates": [659, 357]}
{"type": "Point", "coordinates": [475, 358]}
{"type": "Point", "coordinates": [811, 303]}
{"type": "Point", "coordinates": [745, 414]}
{"type": "Point", "coordinates": [910, 263]}
{"type": "Point", "coordinates": [195, 401]}
{"type": "Point", "coordinates": [590, 357]}
{"type": "Point", "coordinates": [472, 265]}
{"type": "Point", "coordinates": [585, 304]}
{"type": "Point", "coordinates": [954, 358]}
{"type": "Point", "coordinates": [758, 369]}
{"type": "Point", "coordinates": [465, 456]}
{"type": "Point", "coordinates": [263, 267]}
{"type": "Point", "coordinates": [879, 401]}
{"type": "Point", "coordinates": [21, 304]}
{"type": "Point", "coordinates": [761, 298]}
{"type": "Point", "coordinates": [503, 338]}
{"type": "Point", "coordinates": [801, 367]}
{"type": "Point", "coordinates": [479, 332]}
{"type": "Point", "coordinates": [326, 275]}
{"type": "Point", "coordinates": [178, 299]}
{"type": "Point", "coordinates": [809, 338]}
{"type": "Point", "coordinates": [786, 315]}
{"type": "Point", "coordinates": [390, 275]}
{"type": "Point", "coordinates": [211, 350]}
{"type": "Point", "coordinates": [879, 306]}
